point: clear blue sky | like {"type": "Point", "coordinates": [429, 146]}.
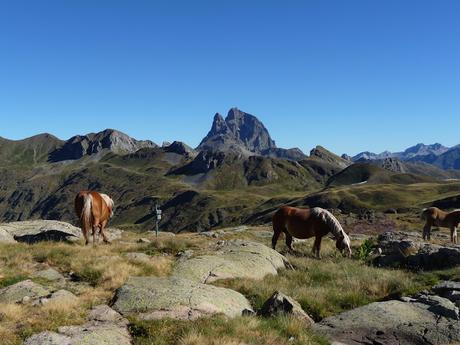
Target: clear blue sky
{"type": "Point", "coordinates": [349, 75]}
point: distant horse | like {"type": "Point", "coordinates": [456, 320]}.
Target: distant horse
{"type": "Point", "coordinates": [94, 211]}
{"type": "Point", "coordinates": [305, 223]}
{"type": "Point", "coordinates": [433, 216]}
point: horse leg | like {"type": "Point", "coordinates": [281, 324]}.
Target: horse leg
{"type": "Point", "coordinates": [427, 231]}
{"type": "Point", "coordinates": [453, 234]}
{"type": "Point", "coordinates": [317, 246]}
{"type": "Point", "coordinates": [288, 240]}
{"type": "Point", "coordinates": [276, 234]}
{"type": "Point", "coordinates": [85, 235]}
{"type": "Point", "coordinates": [94, 234]}
{"type": "Point", "coordinates": [104, 236]}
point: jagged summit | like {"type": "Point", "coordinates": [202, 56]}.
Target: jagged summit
{"type": "Point", "coordinates": [245, 134]}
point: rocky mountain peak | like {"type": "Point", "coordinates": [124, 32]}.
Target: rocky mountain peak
{"type": "Point", "coordinates": [93, 143]}
{"type": "Point", "coordinates": [326, 155]}
{"type": "Point", "coordinates": [393, 164]}
{"type": "Point", "coordinates": [219, 126]}
{"type": "Point", "coordinates": [245, 134]}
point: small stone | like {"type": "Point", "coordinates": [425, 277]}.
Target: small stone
{"type": "Point", "coordinates": [279, 303]}
{"type": "Point", "coordinates": [49, 274]}
{"type": "Point", "coordinates": [138, 256]}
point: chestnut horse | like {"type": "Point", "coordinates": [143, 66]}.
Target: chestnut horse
{"type": "Point", "coordinates": [305, 223]}
{"type": "Point", "coordinates": [94, 211]}
{"type": "Point", "coordinates": [433, 216]}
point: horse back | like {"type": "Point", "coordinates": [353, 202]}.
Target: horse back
{"type": "Point", "coordinates": [298, 222]}
{"type": "Point", "coordinates": [99, 207]}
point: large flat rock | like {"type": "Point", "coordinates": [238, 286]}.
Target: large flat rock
{"type": "Point", "coordinates": [104, 326]}
{"type": "Point", "coordinates": [6, 237]}
{"type": "Point", "coordinates": [427, 320]}
{"type": "Point", "coordinates": [23, 291]}
{"type": "Point", "coordinates": [45, 230]}
{"type": "Point", "coordinates": [157, 298]}
{"type": "Point", "coordinates": [234, 259]}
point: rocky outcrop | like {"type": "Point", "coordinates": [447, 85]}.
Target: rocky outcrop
{"type": "Point", "coordinates": [103, 326]}
{"type": "Point", "coordinates": [423, 320]}
{"type": "Point", "coordinates": [405, 249]}
{"type": "Point", "coordinates": [152, 298]}
{"type": "Point", "coordinates": [233, 259]}
{"type": "Point", "coordinates": [94, 143]}
{"type": "Point", "coordinates": [279, 303]}
{"type": "Point", "coordinates": [393, 164]}
{"type": "Point", "coordinates": [46, 230]}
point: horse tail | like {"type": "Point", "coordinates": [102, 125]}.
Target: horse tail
{"type": "Point", "coordinates": [430, 212]}
{"type": "Point", "coordinates": [423, 214]}
{"type": "Point", "coordinates": [86, 214]}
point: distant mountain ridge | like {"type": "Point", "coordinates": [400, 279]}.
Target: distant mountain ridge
{"type": "Point", "coordinates": [436, 154]}
{"type": "Point", "coordinates": [419, 150]}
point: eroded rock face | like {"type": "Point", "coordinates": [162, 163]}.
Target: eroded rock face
{"type": "Point", "coordinates": [156, 298]}
{"type": "Point", "coordinates": [407, 249]}
{"type": "Point", "coordinates": [423, 320]}
{"type": "Point", "coordinates": [103, 326]}
{"type": "Point", "coordinates": [234, 259]}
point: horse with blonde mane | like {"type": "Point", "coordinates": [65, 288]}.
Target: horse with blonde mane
{"type": "Point", "coordinates": [433, 216]}
{"type": "Point", "coordinates": [94, 211]}
{"type": "Point", "coordinates": [306, 223]}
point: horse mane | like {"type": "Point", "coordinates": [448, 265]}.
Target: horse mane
{"type": "Point", "coordinates": [332, 222]}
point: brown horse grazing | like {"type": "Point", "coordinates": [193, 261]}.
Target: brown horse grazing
{"type": "Point", "coordinates": [94, 211]}
{"type": "Point", "coordinates": [305, 223]}
{"type": "Point", "coordinates": [433, 216]}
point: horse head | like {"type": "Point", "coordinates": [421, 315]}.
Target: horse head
{"type": "Point", "coordinates": [343, 244]}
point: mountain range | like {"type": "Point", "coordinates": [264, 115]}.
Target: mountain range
{"type": "Point", "coordinates": [235, 173]}
{"type": "Point", "coordinates": [436, 154]}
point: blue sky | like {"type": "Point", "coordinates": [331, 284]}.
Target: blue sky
{"type": "Point", "coordinates": [349, 75]}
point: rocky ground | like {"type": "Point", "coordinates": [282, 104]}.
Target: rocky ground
{"type": "Point", "coordinates": [138, 288]}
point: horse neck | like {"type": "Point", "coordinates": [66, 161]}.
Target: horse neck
{"type": "Point", "coordinates": [333, 224]}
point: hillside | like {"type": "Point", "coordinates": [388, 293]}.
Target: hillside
{"type": "Point", "coordinates": [236, 174]}
{"type": "Point", "coordinates": [373, 174]}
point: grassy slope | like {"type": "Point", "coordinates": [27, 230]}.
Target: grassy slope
{"type": "Point", "coordinates": [382, 196]}
{"type": "Point", "coordinates": [323, 288]}
{"type": "Point", "coordinates": [372, 174]}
